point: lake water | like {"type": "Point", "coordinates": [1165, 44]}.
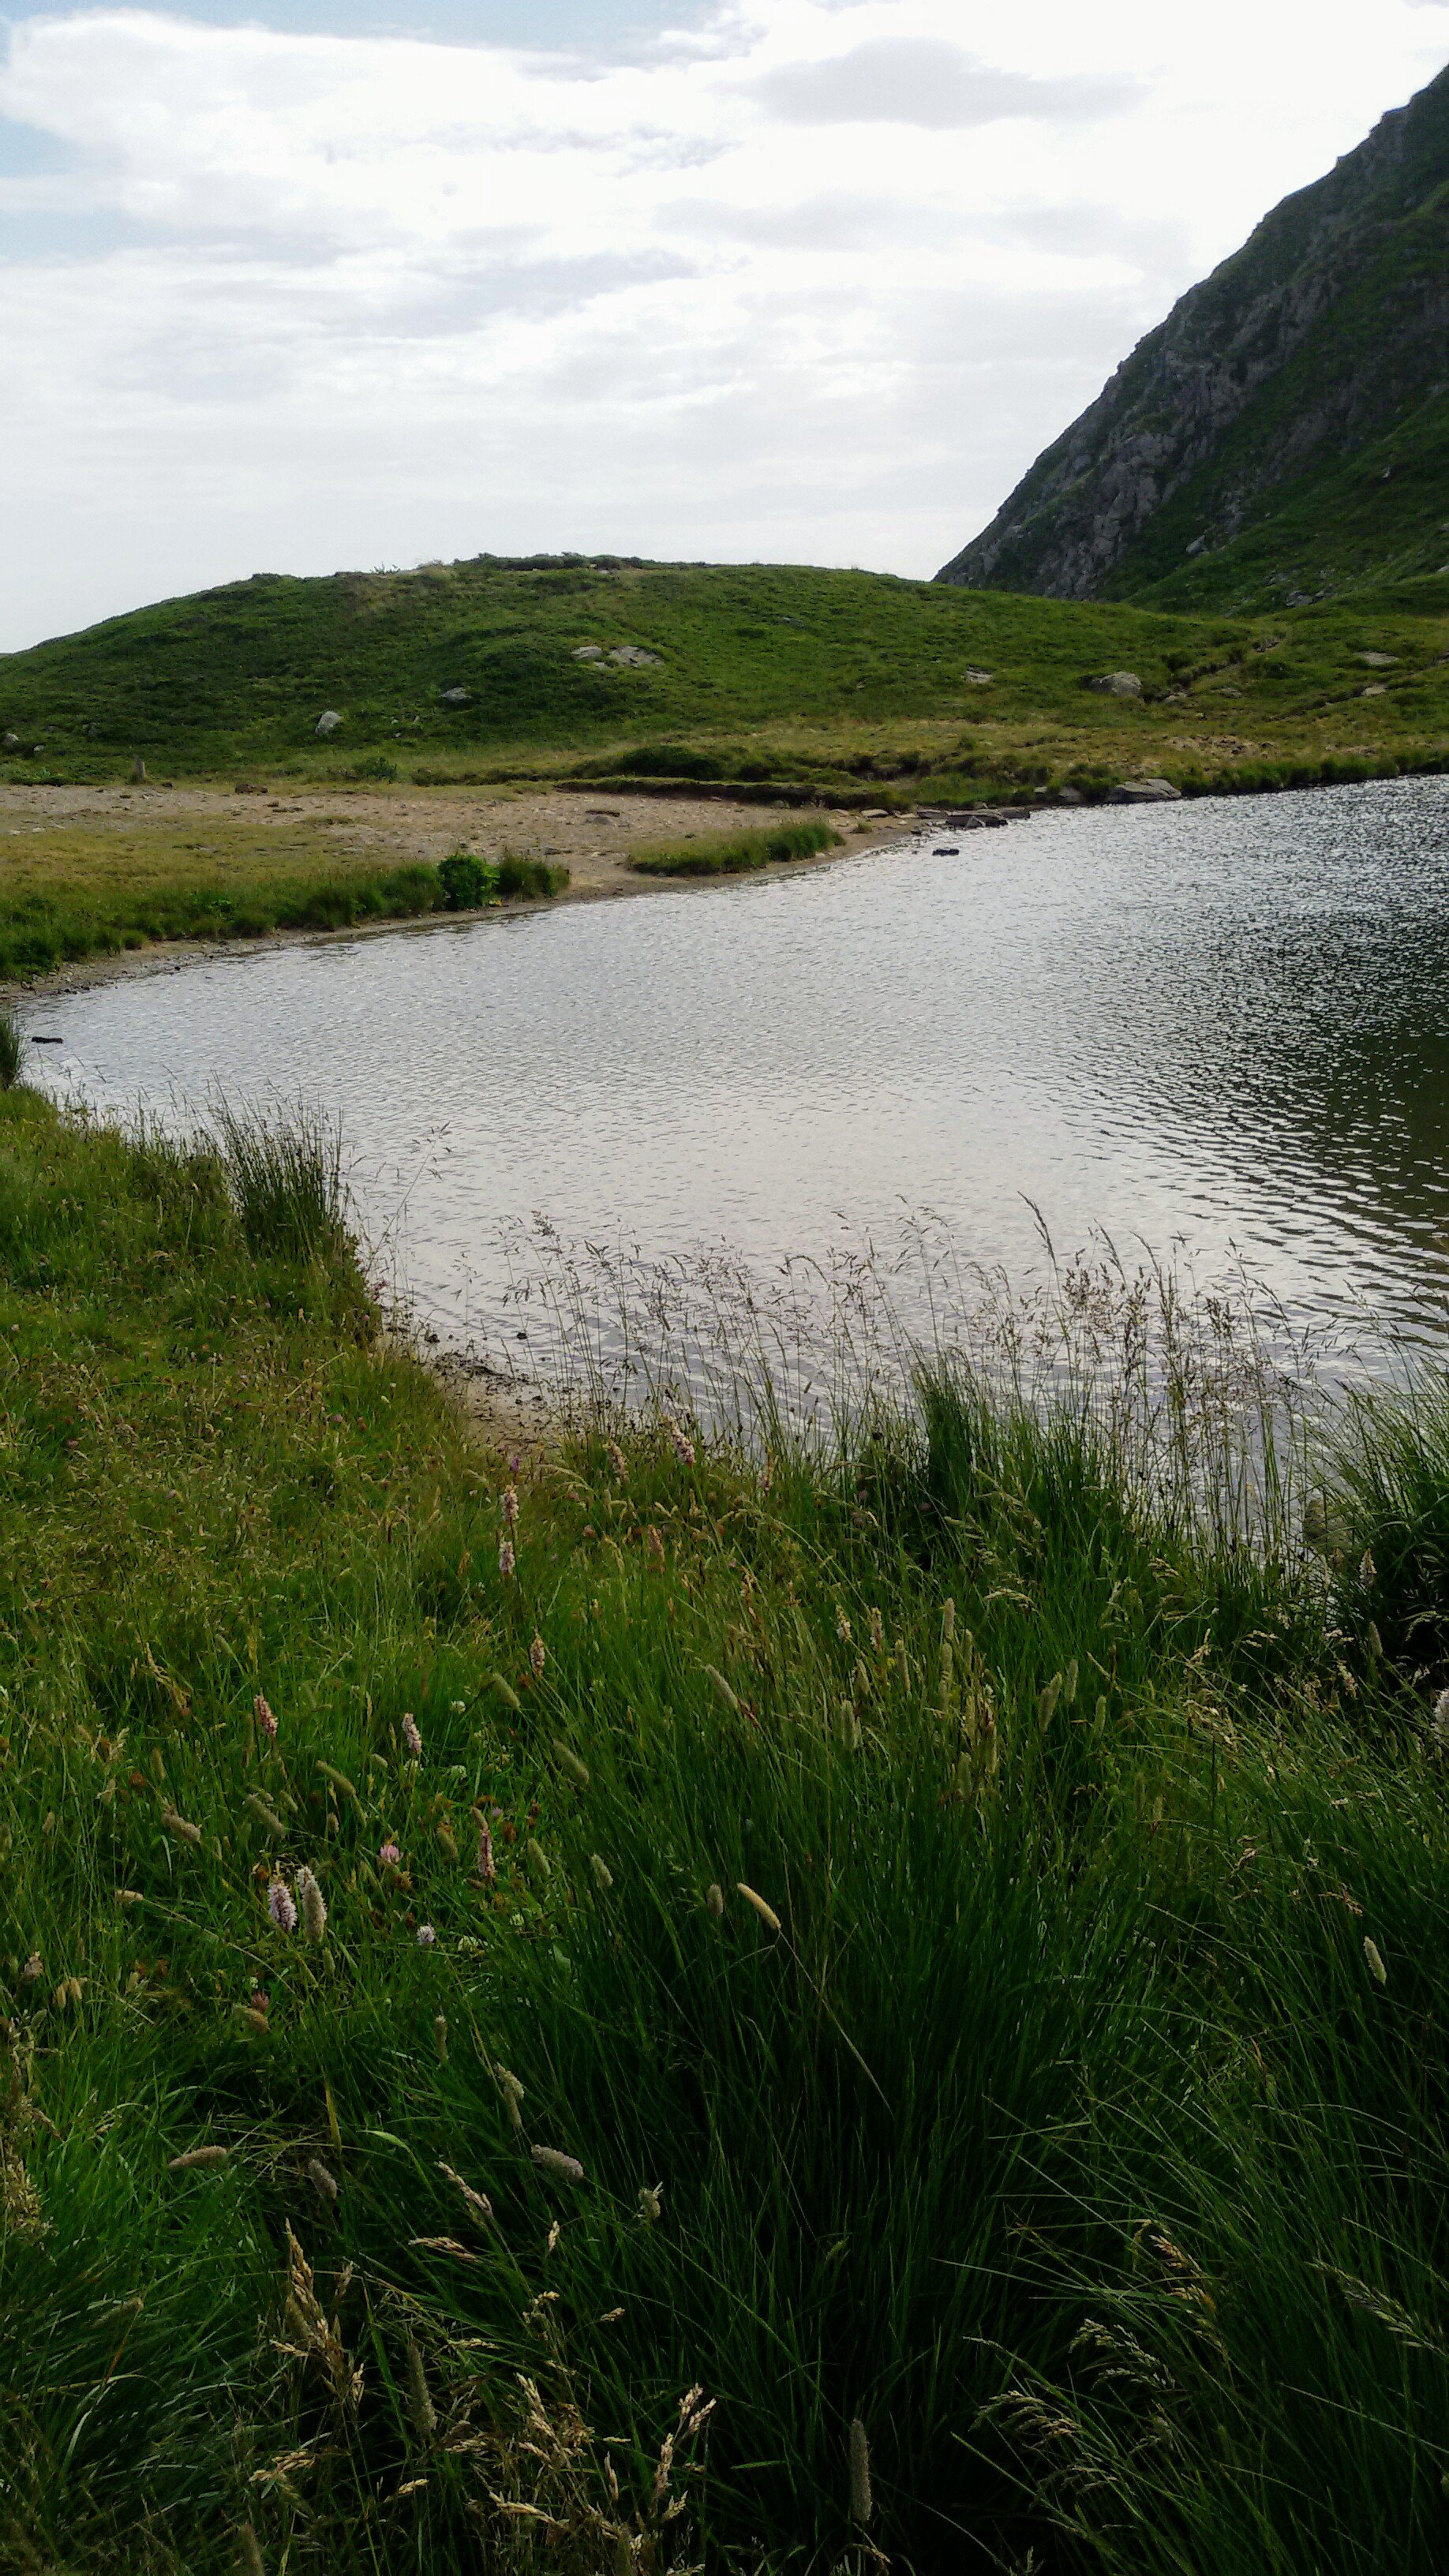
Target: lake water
{"type": "Point", "coordinates": [1219, 1030]}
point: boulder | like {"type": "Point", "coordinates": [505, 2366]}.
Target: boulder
{"type": "Point", "coordinates": [456, 697]}
{"type": "Point", "coordinates": [978, 679]}
{"type": "Point", "coordinates": [1117, 684]}
{"type": "Point", "coordinates": [634, 657]}
{"type": "Point", "coordinates": [1146, 791]}
{"type": "Point", "coordinates": [1375, 689]}
{"type": "Point", "coordinates": [9, 742]}
{"type": "Point", "coordinates": [1378, 661]}
{"type": "Point", "coordinates": [588, 652]}
{"type": "Point", "coordinates": [327, 722]}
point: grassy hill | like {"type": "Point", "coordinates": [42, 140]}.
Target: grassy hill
{"type": "Point", "coordinates": [1285, 432]}
{"type": "Point", "coordinates": [243, 673]}
{"type": "Point", "coordinates": [760, 675]}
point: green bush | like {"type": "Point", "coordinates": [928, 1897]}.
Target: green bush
{"type": "Point", "coordinates": [465, 881]}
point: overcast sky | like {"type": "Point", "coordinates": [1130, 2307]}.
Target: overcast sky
{"type": "Point", "coordinates": [355, 282]}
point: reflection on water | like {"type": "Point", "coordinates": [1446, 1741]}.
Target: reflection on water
{"type": "Point", "coordinates": [1219, 1029]}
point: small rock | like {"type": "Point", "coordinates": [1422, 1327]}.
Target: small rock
{"type": "Point", "coordinates": [1117, 684]}
{"type": "Point", "coordinates": [588, 652]}
{"type": "Point", "coordinates": [1378, 661]}
{"type": "Point", "coordinates": [1375, 689]}
{"type": "Point", "coordinates": [1070, 796]}
{"type": "Point", "coordinates": [978, 679]}
{"type": "Point", "coordinates": [456, 697]}
{"type": "Point", "coordinates": [1299, 599]}
{"type": "Point", "coordinates": [1146, 791]}
{"type": "Point", "coordinates": [138, 770]}
{"type": "Point", "coordinates": [634, 658]}
{"type": "Point", "coordinates": [328, 721]}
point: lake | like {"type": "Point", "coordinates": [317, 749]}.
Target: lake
{"type": "Point", "coordinates": [1216, 1030]}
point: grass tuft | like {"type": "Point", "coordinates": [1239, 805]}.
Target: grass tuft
{"type": "Point", "coordinates": [284, 1171]}
{"type": "Point", "coordinates": [740, 853]}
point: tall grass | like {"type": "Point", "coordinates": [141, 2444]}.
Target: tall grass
{"type": "Point", "coordinates": [12, 1050]}
{"type": "Point", "coordinates": [283, 1167]}
{"type": "Point", "coordinates": [923, 1935]}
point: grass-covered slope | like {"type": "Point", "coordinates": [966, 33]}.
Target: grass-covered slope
{"type": "Point", "coordinates": [1284, 430]}
{"type": "Point", "coordinates": [241, 675]}
{"type": "Point", "coordinates": [940, 1954]}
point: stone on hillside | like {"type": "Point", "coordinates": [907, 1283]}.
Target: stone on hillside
{"type": "Point", "coordinates": [1146, 791]}
{"type": "Point", "coordinates": [1117, 684]}
{"type": "Point", "coordinates": [1378, 661]}
{"type": "Point", "coordinates": [588, 652]}
{"type": "Point", "coordinates": [138, 770]}
{"type": "Point", "coordinates": [456, 697]}
{"type": "Point", "coordinates": [328, 721]}
{"type": "Point", "coordinates": [1375, 689]}
{"type": "Point", "coordinates": [634, 657]}
{"type": "Point", "coordinates": [978, 679]}
{"type": "Point", "coordinates": [9, 742]}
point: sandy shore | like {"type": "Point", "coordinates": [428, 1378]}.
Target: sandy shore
{"type": "Point", "coordinates": [593, 839]}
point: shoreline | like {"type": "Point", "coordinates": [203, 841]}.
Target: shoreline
{"type": "Point", "coordinates": [597, 875]}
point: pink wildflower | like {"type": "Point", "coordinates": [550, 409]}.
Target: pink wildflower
{"type": "Point", "coordinates": [412, 1738]}
{"type": "Point", "coordinates": [506, 1558]}
{"type": "Point", "coordinates": [264, 1717]}
{"type": "Point", "coordinates": [426, 1936]}
{"type": "Point", "coordinates": [537, 1657]}
{"type": "Point", "coordinates": [486, 1865]}
{"type": "Point", "coordinates": [515, 1464]}
{"type": "Point", "coordinates": [282, 1906]}
{"type": "Point", "coordinates": [683, 1446]}
{"type": "Point", "coordinates": [389, 1855]}
{"type": "Point", "coordinates": [510, 1505]}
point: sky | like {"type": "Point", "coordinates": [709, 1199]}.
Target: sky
{"type": "Point", "coordinates": [341, 283]}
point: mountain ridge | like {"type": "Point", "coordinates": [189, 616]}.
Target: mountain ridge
{"type": "Point", "coordinates": [1211, 468]}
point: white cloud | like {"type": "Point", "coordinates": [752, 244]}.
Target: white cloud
{"type": "Point", "coordinates": [923, 80]}
{"type": "Point", "coordinates": [808, 281]}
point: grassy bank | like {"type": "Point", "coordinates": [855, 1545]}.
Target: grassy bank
{"type": "Point", "coordinates": [76, 893]}
{"type": "Point", "coordinates": [939, 1950]}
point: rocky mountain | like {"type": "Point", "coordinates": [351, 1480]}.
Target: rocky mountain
{"type": "Point", "coordinates": [1284, 434]}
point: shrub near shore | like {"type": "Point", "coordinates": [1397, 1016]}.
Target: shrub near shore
{"type": "Point", "coordinates": [895, 2002]}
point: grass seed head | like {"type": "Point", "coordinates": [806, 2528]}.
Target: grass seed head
{"type": "Point", "coordinates": [537, 1657]}
{"type": "Point", "coordinates": [197, 2156]}
{"type": "Point", "coordinates": [249, 2559]}
{"type": "Point", "coordinates": [550, 2161]}
{"type": "Point", "coordinates": [766, 1913]}
{"type": "Point", "coordinates": [578, 1771]}
{"type": "Point", "coordinates": [487, 1867]}
{"type": "Point", "coordinates": [603, 1875]}
{"type": "Point", "coordinates": [1375, 1958]}
{"type": "Point", "coordinates": [412, 1735]}
{"type": "Point", "coordinates": [422, 2413]}
{"type": "Point", "coordinates": [862, 2502]}
{"type": "Point", "coordinates": [715, 1901]}
{"type": "Point", "coordinates": [314, 1905]}
{"type": "Point", "coordinates": [440, 2037]}
{"type": "Point", "coordinates": [266, 1816]}
{"type": "Point", "coordinates": [538, 1858]}
{"type": "Point", "coordinates": [320, 2179]}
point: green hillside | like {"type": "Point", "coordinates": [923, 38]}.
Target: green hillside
{"type": "Point", "coordinates": [1284, 434]}
{"type": "Point", "coordinates": [242, 674]}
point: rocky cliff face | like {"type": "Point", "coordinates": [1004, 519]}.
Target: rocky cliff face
{"type": "Point", "coordinates": [1323, 335]}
